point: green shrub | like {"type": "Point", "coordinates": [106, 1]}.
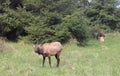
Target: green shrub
{"type": "Point", "coordinates": [78, 27]}
{"type": "Point", "coordinates": [42, 34]}
{"type": "Point", "coordinates": [62, 33]}
{"type": "Point", "coordinates": [80, 33]}
{"type": "Point", "coordinates": [13, 23]}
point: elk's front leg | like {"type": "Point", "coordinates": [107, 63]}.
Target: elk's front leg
{"type": "Point", "coordinates": [43, 61]}
{"type": "Point", "coordinates": [49, 61]}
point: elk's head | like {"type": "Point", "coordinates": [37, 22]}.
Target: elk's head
{"type": "Point", "coordinates": [38, 48]}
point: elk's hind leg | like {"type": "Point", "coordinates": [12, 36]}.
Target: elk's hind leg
{"type": "Point", "coordinates": [58, 59]}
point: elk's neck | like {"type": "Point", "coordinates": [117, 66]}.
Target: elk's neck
{"type": "Point", "coordinates": [39, 51]}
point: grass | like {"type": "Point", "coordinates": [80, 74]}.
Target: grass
{"type": "Point", "coordinates": [97, 59]}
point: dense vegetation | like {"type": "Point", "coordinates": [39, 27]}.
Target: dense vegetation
{"type": "Point", "coordinates": [57, 20]}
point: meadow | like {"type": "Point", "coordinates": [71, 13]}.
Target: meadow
{"type": "Point", "coordinates": [96, 59]}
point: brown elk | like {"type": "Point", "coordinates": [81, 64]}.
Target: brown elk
{"type": "Point", "coordinates": [101, 36]}
{"type": "Point", "coordinates": [49, 49]}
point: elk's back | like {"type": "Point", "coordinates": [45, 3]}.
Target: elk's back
{"type": "Point", "coordinates": [52, 48]}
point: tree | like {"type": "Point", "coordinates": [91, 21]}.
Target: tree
{"type": "Point", "coordinates": [57, 20]}
{"type": "Point", "coordinates": [78, 27]}
{"type": "Point", "coordinates": [105, 2]}
{"type": "Point", "coordinates": [103, 14]}
{"type": "Point", "coordinates": [84, 3]}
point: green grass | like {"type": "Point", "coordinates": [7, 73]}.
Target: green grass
{"type": "Point", "coordinates": [97, 59]}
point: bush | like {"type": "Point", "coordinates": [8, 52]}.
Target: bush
{"type": "Point", "coordinates": [49, 29]}
{"type": "Point", "coordinates": [13, 23]}
{"type": "Point", "coordinates": [80, 33]}
{"type": "Point", "coordinates": [78, 27]}
{"type": "Point", "coordinates": [42, 34]}
{"type": "Point", "coordinates": [62, 33]}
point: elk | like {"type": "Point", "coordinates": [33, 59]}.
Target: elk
{"type": "Point", "coordinates": [48, 50]}
{"type": "Point", "coordinates": [101, 36]}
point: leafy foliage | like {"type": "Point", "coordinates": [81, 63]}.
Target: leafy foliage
{"type": "Point", "coordinates": [78, 27]}
{"type": "Point", "coordinates": [16, 3]}
{"type": "Point", "coordinates": [102, 15]}
{"type": "Point", "coordinates": [57, 20]}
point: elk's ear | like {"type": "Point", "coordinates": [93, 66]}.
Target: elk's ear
{"type": "Point", "coordinates": [33, 45]}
